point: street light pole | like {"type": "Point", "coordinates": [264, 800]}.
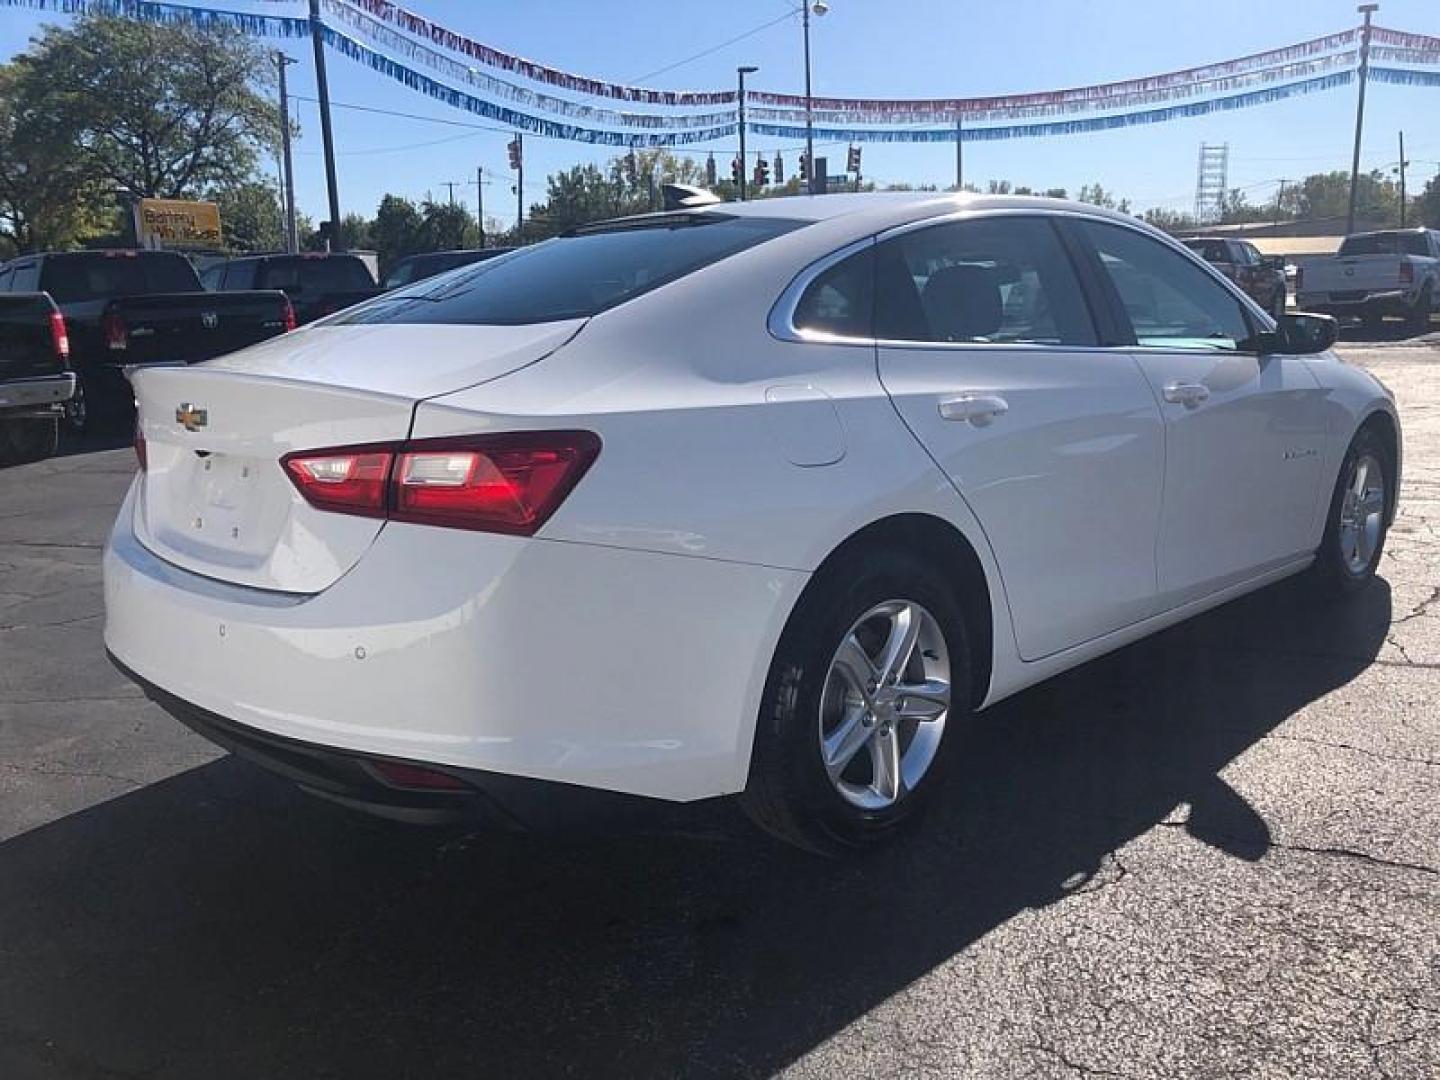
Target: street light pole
{"type": "Point", "coordinates": [1403, 163]}
{"type": "Point", "coordinates": [1366, 10]}
{"type": "Point", "coordinates": [291, 239]}
{"type": "Point", "coordinates": [742, 72]}
{"type": "Point", "coordinates": [821, 7]}
{"type": "Point", "coordinates": [322, 91]}
{"type": "Point", "coordinates": [959, 152]}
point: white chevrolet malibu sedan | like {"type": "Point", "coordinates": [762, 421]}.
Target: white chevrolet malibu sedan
{"type": "Point", "coordinates": [760, 499]}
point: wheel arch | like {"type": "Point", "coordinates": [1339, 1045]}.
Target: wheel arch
{"type": "Point", "coordinates": [942, 544]}
{"type": "Point", "coordinates": [1384, 425]}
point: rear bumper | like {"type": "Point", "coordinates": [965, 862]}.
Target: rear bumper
{"type": "Point", "coordinates": [40, 395]}
{"type": "Point", "coordinates": [605, 668]}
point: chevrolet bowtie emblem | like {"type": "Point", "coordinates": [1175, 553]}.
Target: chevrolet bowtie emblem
{"type": "Point", "coordinates": [191, 418]}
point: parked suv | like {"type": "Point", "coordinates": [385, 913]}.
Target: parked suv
{"type": "Point", "coordinates": [1262, 277]}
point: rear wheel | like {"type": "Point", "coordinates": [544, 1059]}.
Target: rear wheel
{"type": "Point", "coordinates": [28, 440]}
{"type": "Point", "coordinates": [1355, 529]}
{"type": "Point", "coordinates": [867, 686]}
{"type": "Point", "coordinates": [77, 409]}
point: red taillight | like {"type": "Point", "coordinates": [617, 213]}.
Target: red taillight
{"type": "Point", "coordinates": [60, 337]}
{"type": "Point", "coordinates": [349, 481]}
{"type": "Point", "coordinates": [402, 774]}
{"type": "Point", "coordinates": [116, 333]}
{"type": "Point", "coordinates": [508, 483]}
{"type": "Point", "coordinates": [1407, 272]}
{"type": "Point", "coordinates": [140, 455]}
{"type": "Point", "coordinates": [289, 315]}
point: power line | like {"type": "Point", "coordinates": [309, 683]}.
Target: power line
{"type": "Point", "coordinates": [716, 48]}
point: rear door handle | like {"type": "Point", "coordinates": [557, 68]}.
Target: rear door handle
{"type": "Point", "coordinates": [1188, 394]}
{"type": "Point", "coordinates": [979, 409]}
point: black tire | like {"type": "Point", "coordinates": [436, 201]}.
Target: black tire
{"type": "Point", "coordinates": [1334, 570]}
{"type": "Point", "coordinates": [28, 440]}
{"type": "Point", "coordinates": [789, 793]}
{"type": "Point", "coordinates": [1419, 319]}
{"type": "Point", "coordinates": [77, 410]}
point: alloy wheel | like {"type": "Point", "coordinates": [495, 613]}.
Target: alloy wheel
{"type": "Point", "coordinates": [1362, 513]}
{"type": "Point", "coordinates": [884, 704]}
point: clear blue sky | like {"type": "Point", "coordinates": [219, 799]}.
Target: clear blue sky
{"type": "Point", "coordinates": [879, 48]}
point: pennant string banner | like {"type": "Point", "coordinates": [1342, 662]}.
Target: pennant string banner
{"type": "Point", "coordinates": [1063, 127]}
{"type": "Point", "coordinates": [348, 46]}
{"type": "Point", "coordinates": [407, 47]}
{"type": "Point", "coordinates": [278, 26]}
{"type": "Point", "coordinates": [1402, 77]}
{"type": "Point", "coordinates": [456, 42]}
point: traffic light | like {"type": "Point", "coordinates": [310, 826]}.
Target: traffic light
{"type": "Point", "coordinates": [779, 169]}
{"type": "Point", "coordinates": [737, 170]}
{"type": "Point", "coordinates": [710, 170]}
{"type": "Point", "coordinates": [804, 166]}
{"type": "Point", "coordinates": [852, 160]}
{"type": "Point", "coordinates": [514, 147]}
{"type": "Point", "coordinates": [762, 171]}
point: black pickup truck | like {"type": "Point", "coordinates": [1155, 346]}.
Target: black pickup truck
{"type": "Point", "coordinates": [317, 283]}
{"type": "Point", "coordinates": [128, 308]}
{"type": "Point", "coordinates": [35, 376]}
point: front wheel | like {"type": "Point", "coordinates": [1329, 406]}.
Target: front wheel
{"type": "Point", "coordinates": [1359, 507]}
{"type": "Point", "coordinates": [868, 684]}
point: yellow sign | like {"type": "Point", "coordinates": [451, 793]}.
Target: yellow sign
{"type": "Point", "coordinates": [175, 223]}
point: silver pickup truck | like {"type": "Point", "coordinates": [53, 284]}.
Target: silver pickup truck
{"type": "Point", "coordinates": [1395, 272]}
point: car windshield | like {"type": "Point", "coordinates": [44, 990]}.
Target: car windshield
{"type": "Point", "coordinates": [575, 275]}
{"type": "Point", "coordinates": [1385, 243]}
{"type": "Point", "coordinates": [73, 278]}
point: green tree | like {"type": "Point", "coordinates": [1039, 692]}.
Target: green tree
{"type": "Point", "coordinates": [251, 217]}
{"type": "Point", "coordinates": [1096, 195]}
{"type": "Point", "coordinates": [1322, 196]}
{"type": "Point", "coordinates": [1428, 204]}
{"type": "Point", "coordinates": [395, 232]}
{"type": "Point", "coordinates": [445, 226]}
{"type": "Point", "coordinates": [47, 196]}
{"type": "Point", "coordinates": [1172, 221]}
{"type": "Point", "coordinates": [154, 110]}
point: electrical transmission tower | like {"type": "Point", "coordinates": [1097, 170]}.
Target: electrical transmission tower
{"type": "Point", "coordinates": [1211, 182]}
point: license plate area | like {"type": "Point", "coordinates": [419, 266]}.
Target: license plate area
{"type": "Point", "coordinates": [220, 508]}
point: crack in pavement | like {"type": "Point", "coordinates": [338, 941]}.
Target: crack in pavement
{"type": "Point", "coordinates": [1420, 610]}
{"type": "Point", "coordinates": [1335, 852]}
{"type": "Point", "coordinates": [51, 544]}
{"type": "Point", "coordinates": [1077, 1067]}
{"type": "Point", "coordinates": [1378, 754]}
{"type": "Point", "coordinates": [77, 774]}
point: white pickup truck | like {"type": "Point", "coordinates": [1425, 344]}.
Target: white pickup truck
{"type": "Point", "coordinates": [1395, 272]}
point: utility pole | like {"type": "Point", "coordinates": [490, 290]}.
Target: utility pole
{"type": "Point", "coordinates": [809, 125]}
{"type": "Point", "coordinates": [1403, 163]}
{"type": "Point", "coordinates": [292, 244]}
{"type": "Point", "coordinates": [1280, 199]}
{"type": "Point", "coordinates": [519, 186]}
{"type": "Point", "coordinates": [742, 72]}
{"type": "Point", "coordinates": [480, 201]}
{"type": "Point", "coordinates": [451, 184]}
{"type": "Point", "coordinates": [1366, 10]}
{"type": "Point", "coordinates": [959, 153]}
{"type": "Point", "coordinates": [322, 88]}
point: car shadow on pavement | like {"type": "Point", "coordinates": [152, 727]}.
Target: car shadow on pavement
{"type": "Point", "coordinates": [221, 924]}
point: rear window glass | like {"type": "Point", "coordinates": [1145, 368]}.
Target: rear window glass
{"type": "Point", "coordinates": [316, 275]}
{"type": "Point", "coordinates": [1395, 243]}
{"type": "Point", "coordinates": [1209, 250]}
{"type": "Point", "coordinates": [576, 275]}
{"type": "Point", "coordinates": [74, 278]}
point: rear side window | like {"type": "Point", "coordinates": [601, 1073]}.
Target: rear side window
{"type": "Point", "coordinates": [315, 275]}
{"type": "Point", "coordinates": [1171, 302]}
{"type": "Point", "coordinates": [576, 275]}
{"type": "Point", "coordinates": [27, 278]}
{"type": "Point", "coordinates": [841, 301]}
{"type": "Point", "coordinates": [1002, 280]}
{"type": "Point", "coordinates": [1210, 250]}
{"type": "Point", "coordinates": [73, 278]}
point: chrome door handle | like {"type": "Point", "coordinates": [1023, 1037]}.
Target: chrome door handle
{"type": "Point", "coordinates": [979, 409]}
{"type": "Point", "coordinates": [1187, 394]}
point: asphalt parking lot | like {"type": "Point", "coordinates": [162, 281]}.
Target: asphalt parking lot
{"type": "Point", "coordinates": [1214, 853]}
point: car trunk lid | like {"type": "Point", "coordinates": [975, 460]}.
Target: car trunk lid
{"type": "Point", "coordinates": [215, 498]}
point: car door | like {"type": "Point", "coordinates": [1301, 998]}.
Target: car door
{"type": "Point", "coordinates": [989, 351]}
{"type": "Point", "coordinates": [1243, 432]}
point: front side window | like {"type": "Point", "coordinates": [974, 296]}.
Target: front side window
{"type": "Point", "coordinates": [1171, 302]}
{"type": "Point", "coordinates": [574, 276]}
{"type": "Point", "coordinates": [1002, 280]}
{"type": "Point", "coordinates": [1212, 251]}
